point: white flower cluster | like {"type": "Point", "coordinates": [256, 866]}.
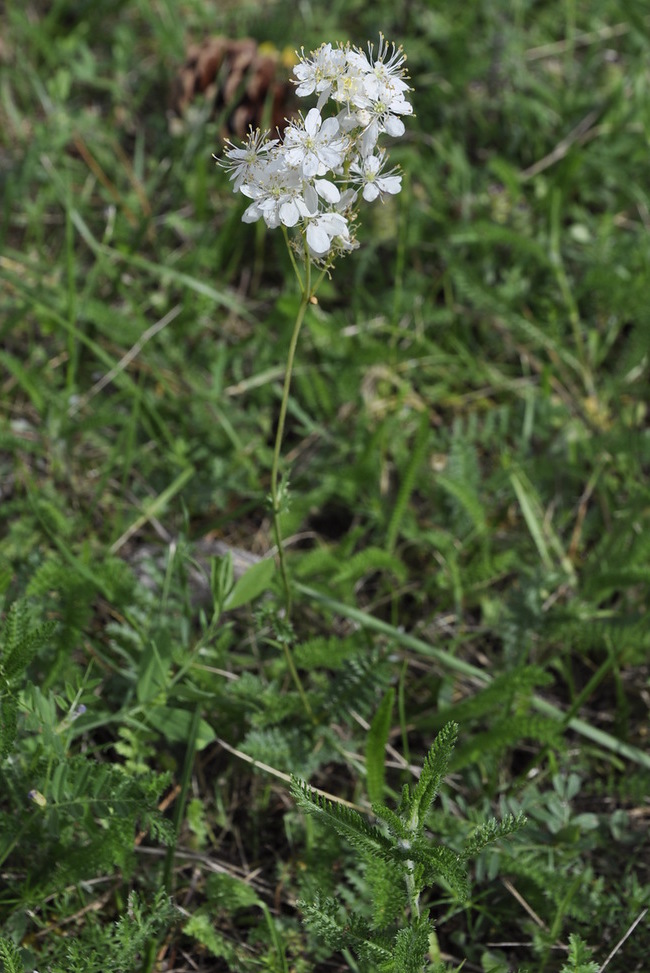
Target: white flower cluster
{"type": "Point", "coordinates": [312, 179]}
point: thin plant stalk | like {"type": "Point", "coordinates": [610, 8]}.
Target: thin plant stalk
{"type": "Point", "coordinates": [276, 504]}
{"type": "Point", "coordinates": [275, 498]}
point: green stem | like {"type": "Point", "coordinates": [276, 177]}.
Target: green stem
{"type": "Point", "coordinates": [306, 295]}
{"type": "Point", "coordinates": [275, 499]}
{"type": "Point", "coordinates": [412, 892]}
{"type": "Point", "coordinates": [298, 681]}
{"type": "Point", "coordinates": [179, 810]}
{"type": "Point", "coordinates": [293, 258]}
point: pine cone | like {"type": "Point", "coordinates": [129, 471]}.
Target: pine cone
{"type": "Point", "coordinates": [250, 86]}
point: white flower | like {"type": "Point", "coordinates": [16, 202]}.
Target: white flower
{"type": "Point", "coordinates": [367, 172]}
{"type": "Point", "coordinates": [386, 71]}
{"type": "Point", "coordinates": [351, 87]}
{"type": "Point", "coordinates": [243, 162]}
{"type": "Point", "coordinates": [385, 109]}
{"type": "Point", "coordinates": [322, 229]}
{"type": "Point", "coordinates": [277, 194]}
{"type": "Point", "coordinates": [314, 145]}
{"type": "Point", "coordinates": [318, 74]}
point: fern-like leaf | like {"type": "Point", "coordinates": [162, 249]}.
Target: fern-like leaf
{"type": "Point", "coordinates": [21, 636]}
{"type": "Point", "coordinates": [433, 771]}
{"type": "Point", "coordinates": [327, 653]}
{"type": "Point", "coordinates": [368, 561]}
{"type": "Point", "coordinates": [491, 831]}
{"type": "Point", "coordinates": [411, 948]}
{"type": "Point", "coordinates": [356, 686]}
{"type": "Point", "coordinates": [344, 820]}
{"type": "Point", "coordinates": [10, 957]}
{"type": "Point", "coordinates": [578, 959]}
{"type": "Point", "coordinates": [325, 917]}
{"type": "Point", "coordinates": [436, 863]}
{"type": "Point", "coordinates": [340, 930]}
{"type": "Point", "coordinates": [393, 821]}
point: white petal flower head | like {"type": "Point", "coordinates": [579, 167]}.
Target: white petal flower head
{"type": "Point", "coordinates": [242, 162]}
{"type": "Point", "coordinates": [386, 71]}
{"type": "Point", "coordinates": [368, 172]}
{"type": "Point", "coordinates": [313, 145]}
{"type": "Point", "coordinates": [314, 177]}
{"type": "Point", "coordinates": [278, 198]}
{"type": "Point", "coordinates": [386, 109]}
{"type": "Point", "coordinates": [350, 87]}
{"type": "Point", "coordinates": [317, 75]}
{"type": "Point", "coordinates": [323, 229]}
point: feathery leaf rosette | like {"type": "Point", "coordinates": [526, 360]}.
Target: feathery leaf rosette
{"type": "Point", "coordinates": [313, 178]}
{"type": "Point", "coordinates": [400, 860]}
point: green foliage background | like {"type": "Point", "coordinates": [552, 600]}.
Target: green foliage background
{"type": "Point", "coordinates": [468, 445]}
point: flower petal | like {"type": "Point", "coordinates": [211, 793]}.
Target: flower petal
{"type": "Point", "coordinates": [390, 184]}
{"type": "Point", "coordinates": [327, 190]}
{"type": "Point", "coordinates": [312, 121]}
{"type": "Point", "coordinates": [394, 126]}
{"type": "Point", "coordinates": [251, 214]}
{"type": "Point", "coordinates": [317, 238]}
{"type": "Point", "coordinates": [289, 213]}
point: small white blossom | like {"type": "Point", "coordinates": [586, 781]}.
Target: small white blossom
{"type": "Point", "coordinates": [323, 228]}
{"type": "Point", "coordinates": [351, 88]}
{"type": "Point", "coordinates": [386, 108]}
{"type": "Point", "coordinates": [314, 145]}
{"type": "Point", "coordinates": [242, 162]}
{"type": "Point", "coordinates": [386, 71]}
{"type": "Point", "coordinates": [278, 196]}
{"type": "Point", "coordinates": [318, 74]}
{"type": "Point", "coordinates": [367, 172]}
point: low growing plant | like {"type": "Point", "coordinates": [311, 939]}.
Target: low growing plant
{"type": "Point", "coordinates": [399, 861]}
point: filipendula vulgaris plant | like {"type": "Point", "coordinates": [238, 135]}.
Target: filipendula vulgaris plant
{"type": "Point", "coordinates": [312, 182]}
{"type": "Point", "coordinates": [399, 861]}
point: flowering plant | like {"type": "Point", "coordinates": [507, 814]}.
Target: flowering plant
{"type": "Point", "coordinates": [313, 180]}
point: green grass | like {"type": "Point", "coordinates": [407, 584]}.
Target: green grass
{"type": "Point", "coordinates": [468, 446]}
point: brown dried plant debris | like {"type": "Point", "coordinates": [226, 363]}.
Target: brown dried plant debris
{"type": "Point", "coordinates": [246, 84]}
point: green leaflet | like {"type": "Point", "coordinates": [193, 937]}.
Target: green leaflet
{"type": "Point", "coordinates": [251, 584]}
{"type": "Point", "coordinates": [376, 747]}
